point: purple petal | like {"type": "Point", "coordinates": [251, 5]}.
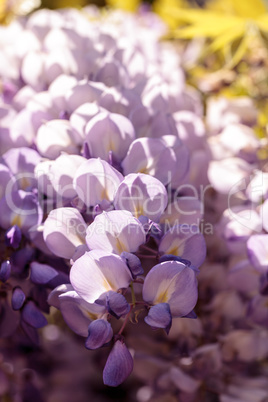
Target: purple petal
{"type": "Point", "coordinates": [42, 274]}
{"type": "Point", "coordinates": [133, 263]}
{"type": "Point", "coordinates": [100, 332]}
{"type": "Point", "coordinates": [159, 316]}
{"type": "Point", "coordinates": [18, 298]}
{"type": "Point", "coordinates": [5, 271]}
{"type": "Point", "coordinates": [33, 316]}
{"type": "Point", "coordinates": [115, 303]}
{"type": "Point", "coordinates": [119, 365]}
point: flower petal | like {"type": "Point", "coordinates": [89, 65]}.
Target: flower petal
{"type": "Point", "coordinates": [99, 333]}
{"type": "Point", "coordinates": [119, 365]}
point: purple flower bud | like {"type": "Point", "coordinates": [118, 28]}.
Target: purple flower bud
{"type": "Point", "coordinates": [13, 237]}
{"type": "Point", "coordinates": [159, 316]}
{"type": "Point", "coordinates": [99, 333]}
{"type": "Point", "coordinates": [42, 274]}
{"type": "Point", "coordinates": [33, 316]}
{"type": "Point", "coordinates": [133, 263]}
{"type": "Point", "coordinates": [5, 271]}
{"type": "Point", "coordinates": [115, 304]}
{"type": "Point", "coordinates": [18, 298]}
{"type": "Point", "coordinates": [119, 365]}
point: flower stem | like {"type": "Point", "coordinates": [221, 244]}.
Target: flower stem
{"type": "Point", "coordinates": [125, 321]}
{"type": "Point", "coordinates": [133, 294]}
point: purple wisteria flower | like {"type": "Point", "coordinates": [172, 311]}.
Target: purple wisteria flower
{"type": "Point", "coordinates": [171, 289]}
{"type": "Point", "coordinates": [115, 231]}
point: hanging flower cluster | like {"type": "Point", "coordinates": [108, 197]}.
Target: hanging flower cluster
{"type": "Point", "coordinates": [116, 194]}
{"type": "Point", "coordinates": [101, 141]}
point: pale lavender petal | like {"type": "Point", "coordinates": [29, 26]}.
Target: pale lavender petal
{"type": "Point", "coordinates": [109, 132]}
{"type": "Point", "coordinates": [174, 283]}
{"type": "Point", "coordinates": [257, 247]}
{"type": "Point", "coordinates": [54, 137]}
{"type": "Point", "coordinates": [149, 155]}
{"type": "Point", "coordinates": [97, 272]}
{"type": "Point", "coordinates": [62, 172]}
{"type": "Point", "coordinates": [115, 231]}
{"type": "Point", "coordinates": [95, 181]}
{"type": "Point", "coordinates": [64, 231]}
{"type": "Point", "coordinates": [186, 242]}
{"type": "Point", "coordinates": [160, 277]}
{"type": "Point", "coordinates": [141, 194]}
{"type": "Point", "coordinates": [22, 209]}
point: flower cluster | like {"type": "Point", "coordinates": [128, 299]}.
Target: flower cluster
{"type": "Point", "coordinates": [100, 142]}
{"type": "Point", "coordinates": [117, 193]}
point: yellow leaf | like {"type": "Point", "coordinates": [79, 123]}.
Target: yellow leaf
{"type": "Point", "coordinates": [227, 37]}
{"type": "Point", "coordinates": [127, 5]}
{"type": "Point", "coordinates": [163, 9]}
{"type": "Point", "coordinates": [239, 52]}
{"type": "Point", "coordinates": [262, 22]}
{"type": "Point", "coordinates": [209, 25]}
{"type": "Point", "coordinates": [251, 9]}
